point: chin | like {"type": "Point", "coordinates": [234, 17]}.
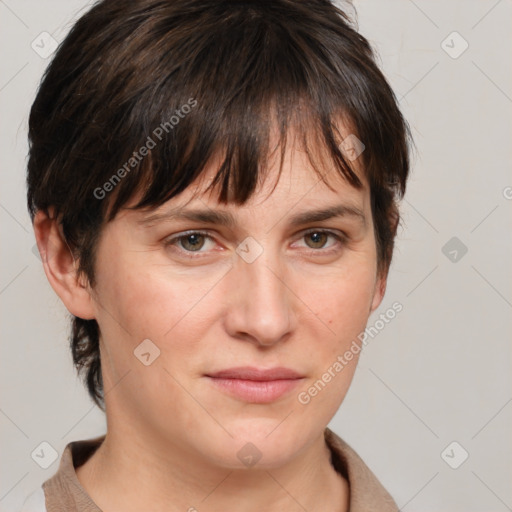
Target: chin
{"type": "Point", "coordinates": [256, 443]}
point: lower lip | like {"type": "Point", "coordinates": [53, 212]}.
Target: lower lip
{"type": "Point", "coordinates": [259, 392]}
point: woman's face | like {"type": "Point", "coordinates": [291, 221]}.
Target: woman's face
{"type": "Point", "coordinates": [273, 285]}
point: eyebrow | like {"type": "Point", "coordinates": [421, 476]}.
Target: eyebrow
{"type": "Point", "coordinates": [209, 216]}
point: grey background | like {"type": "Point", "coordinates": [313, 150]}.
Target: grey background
{"type": "Point", "coordinates": [438, 373]}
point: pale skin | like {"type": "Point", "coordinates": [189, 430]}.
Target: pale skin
{"type": "Point", "coordinates": [173, 438]}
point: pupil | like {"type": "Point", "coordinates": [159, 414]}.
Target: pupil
{"type": "Point", "coordinates": [193, 241]}
{"type": "Point", "coordinates": [317, 237]}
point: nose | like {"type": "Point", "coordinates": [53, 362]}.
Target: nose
{"type": "Point", "coordinates": [261, 301]}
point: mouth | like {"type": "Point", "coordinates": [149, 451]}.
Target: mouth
{"type": "Point", "coordinates": [254, 385]}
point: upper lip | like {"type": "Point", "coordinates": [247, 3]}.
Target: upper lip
{"type": "Point", "coordinates": [257, 374]}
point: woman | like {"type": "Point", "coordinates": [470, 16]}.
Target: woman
{"type": "Point", "coordinates": [213, 187]}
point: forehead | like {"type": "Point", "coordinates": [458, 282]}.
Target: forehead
{"type": "Point", "coordinates": [301, 173]}
{"type": "Point", "coordinates": [298, 175]}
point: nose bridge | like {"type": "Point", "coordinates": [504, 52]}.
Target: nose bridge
{"type": "Point", "coordinates": [262, 307]}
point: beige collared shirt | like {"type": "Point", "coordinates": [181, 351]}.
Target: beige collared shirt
{"type": "Point", "coordinates": [64, 493]}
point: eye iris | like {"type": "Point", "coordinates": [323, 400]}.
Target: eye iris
{"type": "Point", "coordinates": [196, 241]}
{"type": "Point", "coordinates": [317, 238]}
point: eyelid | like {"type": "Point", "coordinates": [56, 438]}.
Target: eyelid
{"type": "Point", "coordinates": [182, 234]}
{"type": "Point", "coordinates": [333, 232]}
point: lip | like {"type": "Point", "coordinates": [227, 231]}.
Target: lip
{"type": "Point", "coordinates": [255, 385]}
{"type": "Point", "coordinates": [256, 374]}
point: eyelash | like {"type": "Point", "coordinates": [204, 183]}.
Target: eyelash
{"type": "Point", "coordinates": [341, 238]}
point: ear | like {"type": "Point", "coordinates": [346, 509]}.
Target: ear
{"type": "Point", "coordinates": [60, 266]}
{"type": "Point", "coordinates": [379, 291]}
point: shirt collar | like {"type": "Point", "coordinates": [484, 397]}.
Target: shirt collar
{"type": "Point", "coordinates": [63, 491]}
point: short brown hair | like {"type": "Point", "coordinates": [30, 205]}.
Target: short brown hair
{"type": "Point", "coordinates": [128, 67]}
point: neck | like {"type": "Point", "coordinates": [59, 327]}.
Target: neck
{"type": "Point", "coordinates": [131, 475]}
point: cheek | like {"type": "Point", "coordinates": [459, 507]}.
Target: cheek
{"type": "Point", "coordinates": [145, 302]}
{"type": "Point", "coordinates": [145, 305]}
{"type": "Point", "coordinates": [342, 300]}
{"type": "Point", "coordinates": [343, 306]}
